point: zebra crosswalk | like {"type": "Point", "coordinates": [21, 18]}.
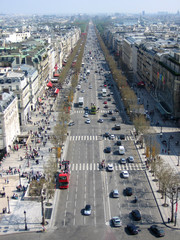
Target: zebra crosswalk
{"type": "Point", "coordinates": [96, 138]}
{"type": "Point", "coordinates": [82, 111]}
{"type": "Point", "coordinates": [117, 167]}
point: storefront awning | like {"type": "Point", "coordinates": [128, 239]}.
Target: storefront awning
{"type": "Point", "coordinates": [57, 90]}
{"type": "Point", "coordinates": [49, 84]}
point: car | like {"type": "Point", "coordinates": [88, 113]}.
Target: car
{"type": "Point", "coordinates": [109, 99]}
{"type": "Point", "coordinates": [116, 110]}
{"type": "Point", "coordinates": [110, 112]}
{"type": "Point", "coordinates": [86, 115]}
{"type": "Point", "coordinates": [88, 121]}
{"type": "Point", "coordinates": [115, 193]}
{"type": "Point", "coordinates": [110, 167]}
{"type": "Point", "coordinates": [122, 136]}
{"type": "Point", "coordinates": [105, 102]}
{"type": "Point", "coordinates": [116, 222]}
{"type": "Point", "coordinates": [106, 106]}
{"type": "Point", "coordinates": [108, 149]}
{"type": "Point", "coordinates": [113, 118]}
{"type": "Point", "coordinates": [108, 95]}
{"type": "Point", "coordinates": [123, 161]}
{"type": "Point", "coordinates": [106, 134]}
{"type": "Point", "coordinates": [86, 109]}
{"type": "Point", "coordinates": [136, 215]}
{"type": "Point", "coordinates": [100, 120]}
{"type": "Point", "coordinates": [105, 85]}
{"type": "Point", "coordinates": [87, 210]}
{"type": "Point", "coordinates": [71, 124]}
{"type": "Point", "coordinates": [157, 230]}
{"type": "Point", "coordinates": [133, 229]}
{"type": "Point", "coordinates": [125, 174]}
{"type": "Point", "coordinates": [111, 93]}
{"type": "Point", "coordinates": [83, 91]}
{"type": "Point", "coordinates": [90, 87]}
{"type": "Point", "coordinates": [105, 115]}
{"type": "Point", "coordinates": [128, 191]}
{"type": "Point", "coordinates": [118, 143]}
{"type": "Point", "coordinates": [112, 137]}
{"type": "Point", "coordinates": [117, 127]}
{"type": "Point", "coordinates": [130, 159]}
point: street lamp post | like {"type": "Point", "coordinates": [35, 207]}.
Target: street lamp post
{"type": "Point", "coordinates": [25, 222]}
{"type": "Point", "coordinates": [8, 204]}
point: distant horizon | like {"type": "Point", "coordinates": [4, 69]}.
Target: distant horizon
{"type": "Point", "coordinates": [94, 7]}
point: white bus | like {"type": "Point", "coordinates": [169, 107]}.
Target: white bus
{"type": "Point", "coordinates": [81, 102]}
{"type": "Point", "coordinates": [104, 92]}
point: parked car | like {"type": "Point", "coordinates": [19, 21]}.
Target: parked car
{"type": "Point", "coordinates": [116, 222]}
{"type": "Point", "coordinates": [133, 229]}
{"type": "Point", "coordinates": [87, 210]}
{"type": "Point", "coordinates": [113, 118]}
{"type": "Point", "coordinates": [157, 230]}
{"type": "Point", "coordinates": [105, 115]}
{"type": "Point", "coordinates": [105, 102]}
{"type": "Point", "coordinates": [71, 124]}
{"type": "Point", "coordinates": [136, 214]}
{"type": "Point", "coordinates": [106, 106]}
{"type": "Point", "coordinates": [86, 115]}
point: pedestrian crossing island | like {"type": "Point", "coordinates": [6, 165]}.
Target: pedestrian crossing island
{"type": "Point", "coordinates": [117, 167]}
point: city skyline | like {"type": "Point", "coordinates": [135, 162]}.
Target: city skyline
{"type": "Point", "coordinates": [93, 7]}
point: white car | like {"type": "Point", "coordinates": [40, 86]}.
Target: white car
{"type": "Point", "coordinates": [86, 115]}
{"type": "Point", "coordinates": [90, 87]}
{"type": "Point", "coordinates": [112, 137]}
{"type": "Point", "coordinates": [88, 121]}
{"type": "Point", "coordinates": [116, 222]}
{"type": "Point", "coordinates": [110, 167]}
{"type": "Point", "coordinates": [87, 210]}
{"type": "Point", "coordinates": [125, 174]}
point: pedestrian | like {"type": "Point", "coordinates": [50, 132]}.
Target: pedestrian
{"type": "Point", "coordinates": [3, 188]}
{"type": "Point", "coordinates": [7, 181]}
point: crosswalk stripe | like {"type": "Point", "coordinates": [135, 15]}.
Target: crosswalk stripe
{"type": "Point", "coordinates": [80, 166]}
{"type": "Point", "coordinates": [87, 167]}
{"type": "Point", "coordinates": [90, 167]}
{"type": "Point", "coordinates": [72, 167]}
{"type": "Point", "coordinates": [87, 137]}
{"type": "Point", "coordinates": [76, 166]}
{"type": "Point", "coordinates": [83, 166]}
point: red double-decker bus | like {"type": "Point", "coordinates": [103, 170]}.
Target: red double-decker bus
{"type": "Point", "coordinates": [64, 175]}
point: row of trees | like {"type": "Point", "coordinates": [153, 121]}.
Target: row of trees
{"type": "Point", "coordinates": [169, 181]}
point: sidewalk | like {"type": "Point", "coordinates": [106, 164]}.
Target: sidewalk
{"type": "Point", "coordinates": [19, 208]}
{"type": "Point", "coordinates": [165, 212]}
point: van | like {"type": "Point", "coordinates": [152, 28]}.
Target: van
{"type": "Point", "coordinates": [121, 150]}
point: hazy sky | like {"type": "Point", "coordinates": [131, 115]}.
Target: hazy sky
{"type": "Point", "coordinates": [87, 6]}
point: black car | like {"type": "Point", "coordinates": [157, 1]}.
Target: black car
{"type": "Point", "coordinates": [116, 110]}
{"type": "Point", "coordinates": [105, 115]}
{"type": "Point", "coordinates": [106, 134]}
{"type": "Point", "coordinates": [113, 118]}
{"type": "Point", "coordinates": [109, 99]}
{"type": "Point", "coordinates": [133, 229]}
{"type": "Point", "coordinates": [136, 215]}
{"type": "Point", "coordinates": [128, 191]}
{"type": "Point", "coordinates": [158, 231]}
{"type": "Point", "coordinates": [118, 143]}
{"type": "Point", "coordinates": [117, 127]}
{"type": "Point", "coordinates": [108, 149]}
{"type": "Point", "coordinates": [110, 112]}
{"type": "Point", "coordinates": [122, 136]}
